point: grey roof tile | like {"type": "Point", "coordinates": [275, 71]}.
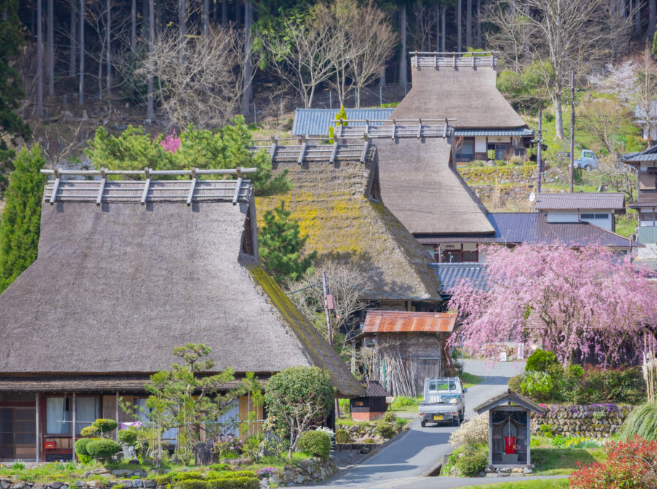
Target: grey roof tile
{"type": "Point", "coordinates": [581, 200]}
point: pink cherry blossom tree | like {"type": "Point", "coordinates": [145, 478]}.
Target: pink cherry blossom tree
{"type": "Point", "coordinates": [171, 143]}
{"type": "Point", "coordinates": [588, 301]}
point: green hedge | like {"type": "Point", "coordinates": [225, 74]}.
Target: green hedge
{"type": "Point", "coordinates": [316, 442]}
{"type": "Point", "coordinates": [488, 174]}
{"type": "Point", "coordinates": [223, 480]}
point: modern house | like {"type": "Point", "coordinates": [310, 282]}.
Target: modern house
{"type": "Point", "coordinates": [126, 271]}
{"type": "Point", "coordinates": [645, 164]}
{"type": "Point", "coordinates": [463, 86]}
{"type": "Point", "coordinates": [402, 348]}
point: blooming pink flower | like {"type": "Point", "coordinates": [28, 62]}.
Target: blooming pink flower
{"type": "Point", "coordinates": [171, 143]}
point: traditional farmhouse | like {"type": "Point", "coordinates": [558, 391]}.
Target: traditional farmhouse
{"type": "Point", "coordinates": [126, 271]}
{"type": "Point", "coordinates": [336, 199]}
{"type": "Point", "coordinates": [463, 86]}
{"type": "Point", "coordinates": [647, 123]}
{"type": "Point", "coordinates": [403, 348]}
{"type": "Point", "coordinates": [645, 164]}
{"type": "Point", "coordinates": [316, 122]}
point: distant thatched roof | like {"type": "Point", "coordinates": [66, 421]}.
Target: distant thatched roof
{"type": "Point", "coordinates": [468, 94]}
{"type": "Point", "coordinates": [117, 286]}
{"type": "Point", "coordinates": [333, 205]}
{"type": "Point", "coordinates": [423, 190]}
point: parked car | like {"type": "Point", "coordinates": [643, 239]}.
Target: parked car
{"type": "Point", "coordinates": [444, 401]}
{"type": "Point", "coordinates": [587, 161]}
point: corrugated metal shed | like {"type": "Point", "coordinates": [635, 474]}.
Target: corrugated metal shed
{"type": "Point", "coordinates": [450, 274]}
{"type": "Point", "coordinates": [407, 322]}
{"type": "Point", "coordinates": [533, 228]}
{"type": "Point", "coordinates": [315, 122]}
{"type": "Point", "coordinates": [521, 131]}
{"type": "Point", "coordinates": [582, 200]}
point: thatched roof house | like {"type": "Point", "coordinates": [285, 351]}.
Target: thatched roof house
{"type": "Point", "coordinates": [458, 85]}
{"type": "Point", "coordinates": [336, 199]}
{"type": "Point", "coordinates": [118, 285]}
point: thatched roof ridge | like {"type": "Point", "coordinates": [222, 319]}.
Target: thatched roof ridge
{"type": "Point", "coordinates": [423, 190]}
{"type": "Point", "coordinates": [470, 95]}
{"type": "Point", "coordinates": [117, 286]}
{"type": "Point", "coordinates": [336, 211]}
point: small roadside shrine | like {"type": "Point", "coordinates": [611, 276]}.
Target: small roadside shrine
{"type": "Point", "coordinates": [509, 429]}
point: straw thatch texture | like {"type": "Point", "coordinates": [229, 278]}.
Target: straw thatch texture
{"type": "Point", "coordinates": [422, 189]}
{"type": "Point", "coordinates": [469, 95]}
{"type": "Point", "coordinates": [333, 209]}
{"type": "Point", "coordinates": [116, 287]}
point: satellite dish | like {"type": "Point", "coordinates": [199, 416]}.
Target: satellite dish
{"type": "Point", "coordinates": [532, 197]}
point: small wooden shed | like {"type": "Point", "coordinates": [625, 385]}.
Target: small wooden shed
{"type": "Point", "coordinates": [372, 405]}
{"type": "Point", "coordinates": [509, 432]}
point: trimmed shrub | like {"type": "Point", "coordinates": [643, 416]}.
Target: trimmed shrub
{"type": "Point", "coordinates": [542, 361]}
{"type": "Point", "coordinates": [472, 462]}
{"type": "Point", "coordinates": [105, 425]}
{"type": "Point", "coordinates": [473, 432]}
{"type": "Point", "coordinates": [102, 449]}
{"type": "Point", "coordinates": [186, 476]}
{"type": "Point", "coordinates": [342, 436]}
{"type": "Point", "coordinates": [89, 431]}
{"type": "Point", "coordinates": [385, 430]}
{"type": "Point", "coordinates": [316, 442]}
{"type": "Point", "coordinates": [128, 437]}
{"type": "Point", "coordinates": [630, 465]}
{"type": "Point", "coordinates": [515, 383]}
{"type": "Point", "coordinates": [81, 450]}
{"type": "Point", "coordinates": [389, 417]}
{"type": "Point", "coordinates": [192, 484]}
{"type": "Point", "coordinates": [538, 385]}
{"type": "Point", "coordinates": [642, 422]}
{"type": "Point", "coordinates": [219, 467]}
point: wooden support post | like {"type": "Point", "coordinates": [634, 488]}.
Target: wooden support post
{"type": "Point", "coordinates": [473, 61]}
{"type": "Point", "coordinates": [302, 152]}
{"type": "Point", "coordinates": [147, 171]}
{"type": "Point", "coordinates": [366, 146]}
{"type": "Point", "coordinates": [237, 190]}
{"type": "Point", "coordinates": [445, 129]}
{"type": "Point", "coordinates": [367, 127]}
{"type": "Point", "coordinates": [334, 153]}
{"type": "Point", "coordinates": [55, 187]}
{"type": "Point", "coordinates": [192, 187]}
{"type": "Point", "coordinates": [74, 427]}
{"type": "Point", "coordinates": [394, 128]}
{"type": "Point", "coordinates": [116, 409]}
{"type": "Point", "coordinates": [101, 189]}
{"type": "Point", "coordinates": [272, 154]}
{"type": "Point", "coordinates": [435, 60]}
{"type": "Point", "coordinates": [454, 60]}
{"type": "Point", "coordinates": [419, 129]}
{"type": "Point", "coordinates": [38, 427]}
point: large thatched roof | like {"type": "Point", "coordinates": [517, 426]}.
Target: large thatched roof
{"type": "Point", "coordinates": [335, 209]}
{"type": "Point", "coordinates": [118, 285]}
{"type": "Point", "coordinates": [423, 190]}
{"type": "Point", "coordinates": [468, 94]}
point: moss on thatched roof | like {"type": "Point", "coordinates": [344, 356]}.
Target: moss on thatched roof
{"type": "Point", "coordinates": [332, 206]}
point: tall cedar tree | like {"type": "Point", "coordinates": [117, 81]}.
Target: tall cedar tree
{"type": "Point", "coordinates": [21, 218]}
{"type": "Point", "coordinates": [280, 243]}
{"type": "Point", "coordinates": [10, 91]}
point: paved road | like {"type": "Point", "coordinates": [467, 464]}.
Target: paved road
{"type": "Point", "coordinates": [405, 462]}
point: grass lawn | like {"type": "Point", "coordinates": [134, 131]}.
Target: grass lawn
{"type": "Point", "coordinates": [469, 380]}
{"type": "Point", "coordinates": [526, 484]}
{"type": "Point", "coordinates": [559, 461]}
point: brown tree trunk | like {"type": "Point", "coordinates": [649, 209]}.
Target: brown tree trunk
{"type": "Point", "coordinates": [403, 68]}
{"type": "Point", "coordinates": [206, 16]}
{"type": "Point", "coordinates": [51, 49]}
{"type": "Point", "coordinates": [133, 30]}
{"type": "Point", "coordinates": [150, 113]}
{"type": "Point", "coordinates": [224, 12]}
{"type": "Point", "coordinates": [72, 47]}
{"type": "Point", "coordinates": [39, 59]}
{"type": "Point", "coordinates": [81, 44]}
{"type": "Point", "coordinates": [459, 9]}
{"type": "Point", "coordinates": [248, 68]}
{"type": "Point", "coordinates": [652, 17]}
{"type": "Point", "coordinates": [468, 24]}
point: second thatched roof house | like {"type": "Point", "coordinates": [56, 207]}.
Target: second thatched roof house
{"type": "Point", "coordinates": [128, 270]}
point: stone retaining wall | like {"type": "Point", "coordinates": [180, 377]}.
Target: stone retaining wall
{"type": "Point", "coordinates": [591, 421]}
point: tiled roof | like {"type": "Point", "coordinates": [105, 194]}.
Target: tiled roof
{"type": "Point", "coordinates": [533, 228]}
{"type": "Point", "coordinates": [521, 131]}
{"type": "Point", "coordinates": [648, 155]}
{"type": "Point", "coordinates": [408, 322]}
{"type": "Point", "coordinates": [581, 200]}
{"type": "Point", "coordinates": [315, 122]}
{"type": "Point", "coordinates": [450, 274]}
{"type": "Point", "coordinates": [374, 389]}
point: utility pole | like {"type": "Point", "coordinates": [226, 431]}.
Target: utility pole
{"type": "Point", "coordinates": [539, 161]}
{"type": "Point", "coordinates": [329, 305]}
{"type": "Point", "coordinates": [572, 131]}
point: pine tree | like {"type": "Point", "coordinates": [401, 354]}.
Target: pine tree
{"type": "Point", "coordinates": [21, 218]}
{"type": "Point", "coordinates": [10, 91]}
{"type": "Point", "coordinates": [280, 243]}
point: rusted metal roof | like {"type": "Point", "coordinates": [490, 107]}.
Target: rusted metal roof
{"type": "Point", "coordinates": [408, 322]}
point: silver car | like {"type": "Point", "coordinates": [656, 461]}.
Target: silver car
{"type": "Point", "coordinates": [588, 161]}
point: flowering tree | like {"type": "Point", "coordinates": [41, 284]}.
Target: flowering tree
{"type": "Point", "coordinates": [587, 301]}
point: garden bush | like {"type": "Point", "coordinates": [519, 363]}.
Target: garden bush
{"type": "Point", "coordinates": [642, 421]}
{"type": "Point", "coordinates": [81, 450]}
{"type": "Point", "coordinates": [385, 430]}
{"type": "Point", "coordinates": [342, 436]}
{"type": "Point", "coordinates": [316, 442]}
{"type": "Point", "coordinates": [473, 432]}
{"type": "Point", "coordinates": [102, 448]}
{"type": "Point", "coordinates": [542, 361]}
{"type": "Point", "coordinates": [515, 383]}
{"type": "Point", "coordinates": [629, 465]}
{"type": "Point", "coordinates": [472, 462]}
{"type": "Point", "coordinates": [538, 385]}
{"type": "Point", "coordinates": [128, 437]}
{"type": "Point", "coordinates": [389, 417]}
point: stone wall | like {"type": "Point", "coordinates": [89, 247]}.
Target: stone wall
{"type": "Point", "coordinates": [591, 421]}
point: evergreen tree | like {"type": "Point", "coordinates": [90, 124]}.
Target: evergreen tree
{"type": "Point", "coordinates": [21, 218]}
{"type": "Point", "coordinates": [280, 244]}
{"type": "Point", "coordinates": [10, 91]}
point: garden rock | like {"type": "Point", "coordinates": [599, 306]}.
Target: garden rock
{"type": "Point", "coordinates": [134, 461]}
{"type": "Point", "coordinates": [80, 483]}
{"type": "Point", "coordinates": [204, 453]}
{"type": "Point", "coordinates": [527, 470]}
{"type": "Point", "coordinates": [122, 473]}
{"type": "Point", "coordinates": [150, 483]}
{"type": "Point", "coordinates": [56, 485]}
{"type": "Point", "coordinates": [137, 483]}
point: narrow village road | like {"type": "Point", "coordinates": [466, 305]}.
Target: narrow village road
{"type": "Point", "coordinates": [405, 462]}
